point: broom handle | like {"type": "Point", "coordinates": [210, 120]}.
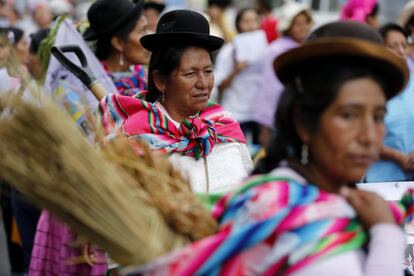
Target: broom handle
{"type": "Point", "coordinates": [97, 90]}
{"type": "Point", "coordinates": [82, 72]}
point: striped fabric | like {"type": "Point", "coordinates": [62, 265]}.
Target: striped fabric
{"type": "Point", "coordinates": [131, 83]}
{"type": "Point", "coordinates": [196, 136]}
{"type": "Point", "coordinates": [272, 226]}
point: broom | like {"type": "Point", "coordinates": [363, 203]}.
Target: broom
{"type": "Point", "coordinates": [135, 208]}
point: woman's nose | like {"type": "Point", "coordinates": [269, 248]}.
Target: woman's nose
{"type": "Point", "coordinates": [202, 81]}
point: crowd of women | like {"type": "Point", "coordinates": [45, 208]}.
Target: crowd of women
{"type": "Point", "coordinates": [328, 108]}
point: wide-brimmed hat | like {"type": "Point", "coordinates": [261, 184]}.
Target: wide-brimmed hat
{"type": "Point", "coordinates": [344, 43]}
{"type": "Point", "coordinates": [182, 27]}
{"type": "Point", "coordinates": [406, 13]}
{"type": "Point", "coordinates": [106, 16]}
{"type": "Point", "coordinates": [286, 13]}
{"type": "Point", "coordinates": [158, 6]}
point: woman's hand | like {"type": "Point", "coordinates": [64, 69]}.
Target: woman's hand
{"type": "Point", "coordinates": [370, 207]}
{"type": "Point", "coordinates": [88, 256]}
{"type": "Point", "coordinates": [410, 162]}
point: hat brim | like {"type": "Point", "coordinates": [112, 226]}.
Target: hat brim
{"type": "Point", "coordinates": [91, 34]}
{"type": "Point", "coordinates": [344, 51]}
{"type": "Point", "coordinates": [154, 42]}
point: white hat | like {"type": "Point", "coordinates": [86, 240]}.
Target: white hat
{"type": "Point", "coordinates": [288, 11]}
{"type": "Point", "coordinates": [406, 13]}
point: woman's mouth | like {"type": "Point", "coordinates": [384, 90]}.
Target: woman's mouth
{"type": "Point", "coordinates": [200, 96]}
{"type": "Point", "coordinates": [363, 159]}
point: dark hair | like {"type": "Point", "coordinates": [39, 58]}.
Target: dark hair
{"type": "Point", "coordinates": [221, 3]}
{"type": "Point", "coordinates": [265, 4]}
{"type": "Point", "coordinates": [307, 98]}
{"type": "Point", "coordinates": [17, 34]}
{"type": "Point", "coordinates": [240, 14]}
{"type": "Point", "coordinates": [384, 30]}
{"type": "Point", "coordinates": [375, 10]}
{"type": "Point", "coordinates": [163, 62]}
{"type": "Point", "coordinates": [410, 23]}
{"type": "Point", "coordinates": [36, 38]}
{"type": "Point", "coordinates": [103, 43]}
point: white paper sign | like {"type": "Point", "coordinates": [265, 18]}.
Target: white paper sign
{"type": "Point", "coordinates": [250, 46]}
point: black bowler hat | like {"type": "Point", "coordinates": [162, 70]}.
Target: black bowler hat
{"type": "Point", "coordinates": [105, 16]}
{"type": "Point", "coordinates": [182, 27]}
{"type": "Point", "coordinates": [344, 43]}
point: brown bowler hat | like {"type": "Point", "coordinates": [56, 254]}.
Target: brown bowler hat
{"type": "Point", "coordinates": [344, 42]}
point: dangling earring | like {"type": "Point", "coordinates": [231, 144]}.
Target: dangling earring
{"type": "Point", "coordinates": [121, 59]}
{"type": "Point", "coordinates": [162, 99]}
{"type": "Point", "coordinates": [304, 156]}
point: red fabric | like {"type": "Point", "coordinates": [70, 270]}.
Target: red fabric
{"type": "Point", "coordinates": [269, 26]}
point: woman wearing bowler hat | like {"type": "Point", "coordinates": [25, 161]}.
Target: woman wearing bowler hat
{"type": "Point", "coordinates": [116, 27]}
{"type": "Point", "coordinates": [303, 215]}
{"type": "Point", "coordinates": [177, 117]}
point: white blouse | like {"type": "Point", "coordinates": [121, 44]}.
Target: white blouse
{"type": "Point", "coordinates": [222, 170]}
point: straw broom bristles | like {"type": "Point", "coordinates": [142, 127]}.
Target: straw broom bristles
{"type": "Point", "coordinates": [115, 206]}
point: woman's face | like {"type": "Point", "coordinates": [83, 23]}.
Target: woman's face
{"type": "Point", "coordinates": [300, 28]}
{"type": "Point", "coordinates": [189, 86]}
{"type": "Point", "coordinates": [249, 21]}
{"type": "Point", "coordinates": [350, 133]}
{"type": "Point", "coordinates": [133, 51]}
{"type": "Point", "coordinates": [397, 43]}
{"type": "Point", "coordinates": [152, 16]}
{"type": "Point", "coordinates": [22, 50]}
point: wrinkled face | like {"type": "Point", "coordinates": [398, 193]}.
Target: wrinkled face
{"type": "Point", "coordinates": [133, 51]}
{"type": "Point", "coordinates": [350, 132]}
{"type": "Point", "coordinates": [300, 28]}
{"type": "Point", "coordinates": [249, 21]}
{"type": "Point", "coordinates": [397, 43]}
{"type": "Point", "coordinates": [189, 86]}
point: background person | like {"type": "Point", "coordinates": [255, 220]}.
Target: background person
{"type": "Point", "coordinates": [397, 155]}
{"type": "Point", "coordinates": [177, 117]}
{"type": "Point", "coordinates": [153, 10]}
{"type": "Point", "coordinates": [117, 27]}
{"type": "Point", "coordinates": [238, 80]}
{"type": "Point", "coordinates": [295, 21]}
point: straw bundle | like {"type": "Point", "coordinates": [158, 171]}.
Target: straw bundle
{"type": "Point", "coordinates": [121, 205]}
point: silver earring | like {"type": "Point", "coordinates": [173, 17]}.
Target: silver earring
{"type": "Point", "coordinates": [121, 59]}
{"type": "Point", "coordinates": [162, 99]}
{"type": "Point", "coordinates": [304, 156]}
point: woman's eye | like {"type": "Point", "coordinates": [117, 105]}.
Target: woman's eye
{"type": "Point", "coordinates": [349, 115]}
{"type": "Point", "coordinates": [189, 74]}
{"type": "Point", "coordinates": [379, 117]}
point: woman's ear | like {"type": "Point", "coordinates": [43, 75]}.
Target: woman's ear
{"type": "Point", "coordinates": [159, 81]}
{"type": "Point", "coordinates": [117, 43]}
